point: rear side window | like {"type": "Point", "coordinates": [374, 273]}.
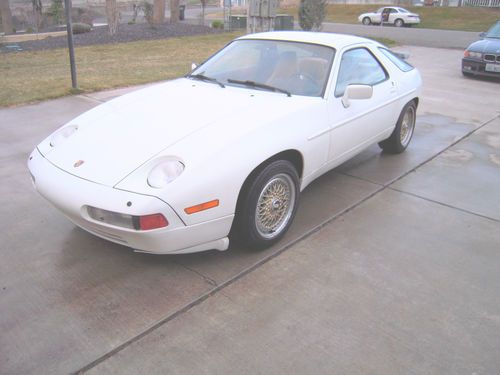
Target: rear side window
{"type": "Point", "coordinates": [358, 66]}
{"type": "Point", "coordinates": [400, 63]}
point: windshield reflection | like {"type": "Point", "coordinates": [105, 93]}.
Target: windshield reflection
{"type": "Point", "coordinates": [494, 32]}
{"type": "Point", "coordinates": [280, 66]}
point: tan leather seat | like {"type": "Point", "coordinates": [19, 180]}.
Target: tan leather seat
{"type": "Point", "coordinates": [286, 67]}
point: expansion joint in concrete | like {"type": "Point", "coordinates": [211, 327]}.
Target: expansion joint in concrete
{"type": "Point", "coordinates": [445, 204]}
{"type": "Point", "coordinates": [204, 277]}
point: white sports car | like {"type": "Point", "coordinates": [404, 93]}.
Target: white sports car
{"type": "Point", "coordinates": [390, 15]}
{"type": "Point", "coordinates": [224, 152]}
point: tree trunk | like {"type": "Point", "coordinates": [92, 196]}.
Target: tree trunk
{"type": "Point", "coordinates": [203, 4]}
{"type": "Point", "coordinates": [112, 15]}
{"type": "Point", "coordinates": [8, 27]}
{"type": "Point", "coordinates": [37, 13]}
{"type": "Point", "coordinates": [158, 12]}
{"type": "Point", "coordinates": [174, 11]}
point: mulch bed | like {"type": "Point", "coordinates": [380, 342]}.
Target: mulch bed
{"type": "Point", "coordinates": [100, 35]}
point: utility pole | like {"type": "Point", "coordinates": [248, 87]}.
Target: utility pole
{"type": "Point", "coordinates": [69, 28]}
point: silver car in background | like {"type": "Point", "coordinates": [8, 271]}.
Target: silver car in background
{"type": "Point", "coordinates": [396, 16]}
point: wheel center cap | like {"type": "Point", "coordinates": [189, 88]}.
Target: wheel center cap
{"type": "Point", "coordinates": [276, 204]}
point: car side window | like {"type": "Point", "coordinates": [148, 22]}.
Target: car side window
{"type": "Point", "coordinates": [359, 66]}
{"type": "Point", "coordinates": [396, 60]}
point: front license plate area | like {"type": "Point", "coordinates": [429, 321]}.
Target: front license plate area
{"type": "Point", "coordinates": [492, 68]}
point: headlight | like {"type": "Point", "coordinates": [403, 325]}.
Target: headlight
{"type": "Point", "coordinates": [62, 134]}
{"type": "Point", "coordinates": [164, 173]}
{"type": "Point", "coordinates": [474, 55]}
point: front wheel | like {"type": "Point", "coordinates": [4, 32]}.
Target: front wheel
{"type": "Point", "coordinates": [268, 205]}
{"type": "Point", "coordinates": [399, 23]}
{"type": "Point", "coordinates": [367, 21]}
{"type": "Point", "coordinates": [402, 134]}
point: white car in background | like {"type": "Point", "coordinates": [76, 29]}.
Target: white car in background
{"type": "Point", "coordinates": [225, 151]}
{"type": "Point", "coordinates": [396, 16]}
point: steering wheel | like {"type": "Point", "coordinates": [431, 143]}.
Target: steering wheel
{"type": "Point", "coordinates": [309, 85]}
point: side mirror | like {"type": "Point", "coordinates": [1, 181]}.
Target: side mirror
{"type": "Point", "coordinates": [193, 66]}
{"type": "Point", "coordinates": [356, 92]}
{"type": "Point", "coordinates": [482, 35]}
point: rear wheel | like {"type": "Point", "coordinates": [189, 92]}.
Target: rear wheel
{"type": "Point", "coordinates": [399, 23]}
{"type": "Point", "coordinates": [367, 21]}
{"type": "Point", "coordinates": [268, 205]}
{"type": "Point", "coordinates": [402, 134]}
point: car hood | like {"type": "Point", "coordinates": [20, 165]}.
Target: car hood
{"type": "Point", "coordinates": [117, 137]}
{"type": "Point", "coordinates": [487, 45]}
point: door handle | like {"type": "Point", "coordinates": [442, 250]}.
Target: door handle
{"type": "Point", "coordinates": [393, 88]}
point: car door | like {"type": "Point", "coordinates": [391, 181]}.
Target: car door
{"type": "Point", "coordinates": [384, 16]}
{"type": "Point", "coordinates": [377, 16]}
{"type": "Point", "coordinates": [393, 14]}
{"type": "Point", "coordinates": [365, 121]}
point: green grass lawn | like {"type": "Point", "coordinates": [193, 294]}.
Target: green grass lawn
{"type": "Point", "coordinates": [33, 76]}
{"type": "Point", "coordinates": [448, 18]}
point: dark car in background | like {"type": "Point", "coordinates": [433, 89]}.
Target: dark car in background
{"type": "Point", "coordinates": [482, 58]}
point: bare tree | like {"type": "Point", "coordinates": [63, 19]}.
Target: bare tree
{"type": "Point", "coordinates": [113, 16]}
{"type": "Point", "coordinates": [158, 11]}
{"type": "Point", "coordinates": [37, 13]}
{"type": "Point", "coordinates": [8, 26]}
{"type": "Point", "coordinates": [174, 11]}
{"type": "Point", "coordinates": [203, 5]}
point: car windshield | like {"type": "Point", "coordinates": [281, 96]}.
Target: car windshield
{"type": "Point", "coordinates": [282, 66]}
{"type": "Point", "coordinates": [494, 32]}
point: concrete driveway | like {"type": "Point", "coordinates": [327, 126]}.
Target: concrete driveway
{"type": "Point", "coordinates": [391, 266]}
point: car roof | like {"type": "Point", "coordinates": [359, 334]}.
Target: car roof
{"type": "Point", "coordinates": [393, 7]}
{"type": "Point", "coordinates": [337, 41]}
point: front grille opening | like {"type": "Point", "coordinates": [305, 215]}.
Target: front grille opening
{"type": "Point", "coordinates": [490, 58]}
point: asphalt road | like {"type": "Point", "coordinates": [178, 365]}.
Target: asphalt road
{"type": "Point", "coordinates": [391, 265]}
{"type": "Point", "coordinates": [408, 35]}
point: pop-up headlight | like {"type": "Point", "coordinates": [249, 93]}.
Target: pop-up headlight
{"type": "Point", "coordinates": [62, 134]}
{"type": "Point", "coordinates": [164, 173]}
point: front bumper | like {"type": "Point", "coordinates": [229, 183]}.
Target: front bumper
{"type": "Point", "coordinates": [72, 195]}
{"type": "Point", "coordinates": [480, 68]}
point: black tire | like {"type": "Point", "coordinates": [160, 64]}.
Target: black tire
{"type": "Point", "coordinates": [402, 134]}
{"type": "Point", "coordinates": [367, 21]}
{"type": "Point", "coordinates": [267, 205]}
{"type": "Point", "coordinates": [399, 23]}
{"type": "Point", "coordinates": [466, 74]}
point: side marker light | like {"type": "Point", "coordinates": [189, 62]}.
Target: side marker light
{"type": "Point", "coordinates": [202, 207]}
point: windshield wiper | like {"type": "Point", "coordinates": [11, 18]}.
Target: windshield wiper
{"type": "Point", "coordinates": [259, 86]}
{"type": "Point", "coordinates": [203, 77]}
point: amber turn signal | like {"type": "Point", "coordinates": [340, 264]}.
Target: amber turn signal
{"type": "Point", "coordinates": [201, 207]}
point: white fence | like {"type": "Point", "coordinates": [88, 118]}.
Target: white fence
{"type": "Point", "coordinates": [482, 3]}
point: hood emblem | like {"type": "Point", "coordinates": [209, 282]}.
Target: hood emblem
{"type": "Point", "coordinates": [78, 163]}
